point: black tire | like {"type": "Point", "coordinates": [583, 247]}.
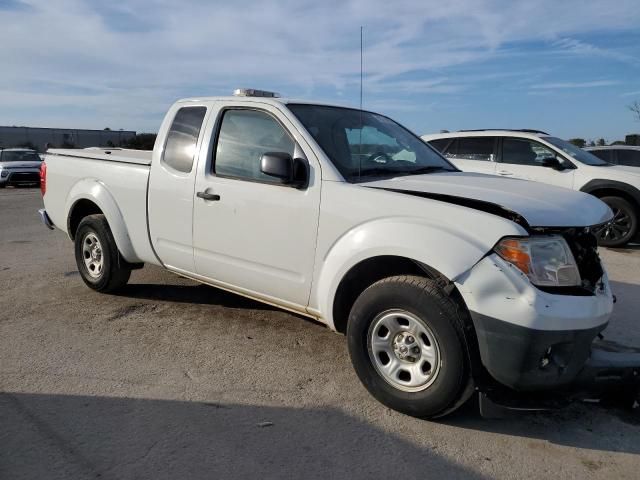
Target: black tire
{"type": "Point", "coordinates": [115, 271]}
{"type": "Point", "coordinates": [624, 225]}
{"type": "Point", "coordinates": [422, 298]}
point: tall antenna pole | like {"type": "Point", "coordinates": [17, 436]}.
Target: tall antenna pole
{"type": "Point", "coordinates": [361, 69]}
{"type": "Point", "coordinates": [360, 141]}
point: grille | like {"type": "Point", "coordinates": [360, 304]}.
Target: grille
{"type": "Point", "coordinates": [584, 247]}
{"type": "Point", "coordinates": [24, 177]}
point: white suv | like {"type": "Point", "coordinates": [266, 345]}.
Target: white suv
{"type": "Point", "coordinates": [536, 155]}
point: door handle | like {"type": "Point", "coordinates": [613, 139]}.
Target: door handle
{"type": "Point", "coordinates": [504, 173]}
{"type": "Point", "coordinates": [208, 196]}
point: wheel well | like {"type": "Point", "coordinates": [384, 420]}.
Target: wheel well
{"type": "Point", "coordinates": [366, 273]}
{"type": "Point", "coordinates": [614, 192]}
{"type": "Point", "coordinates": [82, 208]}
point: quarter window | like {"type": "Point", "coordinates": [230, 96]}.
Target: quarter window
{"type": "Point", "coordinates": [246, 135]}
{"type": "Point", "coordinates": [182, 138]}
{"type": "Point", "coordinates": [519, 151]}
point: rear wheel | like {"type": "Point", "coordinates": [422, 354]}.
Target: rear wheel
{"type": "Point", "coordinates": [407, 347]}
{"type": "Point", "coordinates": [624, 225]}
{"type": "Point", "coordinates": [99, 262]}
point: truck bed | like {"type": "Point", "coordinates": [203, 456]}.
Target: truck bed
{"type": "Point", "coordinates": [117, 179]}
{"type": "Point", "coordinates": [120, 155]}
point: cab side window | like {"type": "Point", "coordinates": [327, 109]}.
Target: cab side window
{"type": "Point", "coordinates": [244, 136]}
{"type": "Point", "coordinates": [519, 151]}
{"type": "Point", "coordinates": [440, 144]}
{"type": "Point", "coordinates": [182, 138]}
{"type": "Point", "coordinates": [471, 148]}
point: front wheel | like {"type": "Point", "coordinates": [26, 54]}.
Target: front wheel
{"type": "Point", "coordinates": [624, 225]}
{"type": "Point", "coordinates": [99, 262]}
{"type": "Point", "coordinates": [407, 346]}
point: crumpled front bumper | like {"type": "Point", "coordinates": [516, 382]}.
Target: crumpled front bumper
{"type": "Point", "coordinates": [531, 340]}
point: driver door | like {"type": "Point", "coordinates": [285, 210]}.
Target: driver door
{"type": "Point", "coordinates": [250, 233]}
{"type": "Point", "coordinates": [522, 158]}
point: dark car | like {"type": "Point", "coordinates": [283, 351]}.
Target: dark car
{"type": "Point", "coordinates": [627, 155]}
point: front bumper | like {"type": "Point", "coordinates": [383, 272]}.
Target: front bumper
{"type": "Point", "coordinates": [21, 177]}
{"type": "Point", "coordinates": [529, 339]}
{"type": "Point", "coordinates": [525, 359]}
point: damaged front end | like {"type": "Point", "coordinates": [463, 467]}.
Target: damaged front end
{"type": "Point", "coordinates": [541, 346]}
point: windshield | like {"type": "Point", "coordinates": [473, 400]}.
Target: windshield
{"type": "Point", "coordinates": [575, 152]}
{"type": "Point", "coordinates": [17, 156]}
{"type": "Point", "coordinates": [363, 145]}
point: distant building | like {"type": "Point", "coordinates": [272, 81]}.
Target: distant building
{"type": "Point", "coordinates": [39, 138]}
{"type": "Point", "coordinates": [633, 139]}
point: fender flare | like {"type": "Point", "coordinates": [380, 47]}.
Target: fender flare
{"type": "Point", "coordinates": [95, 191]}
{"type": "Point", "coordinates": [598, 184]}
{"type": "Point", "coordinates": [451, 252]}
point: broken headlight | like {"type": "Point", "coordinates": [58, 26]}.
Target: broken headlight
{"type": "Point", "coordinates": [546, 260]}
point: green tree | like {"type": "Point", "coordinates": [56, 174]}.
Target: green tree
{"type": "Point", "coordinates": [601, 142]}
{"type": "Point", "coordinates": [578, 142]}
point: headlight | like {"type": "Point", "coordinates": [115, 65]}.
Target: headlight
{"type": "Point", "coordinates": [546, 260]}
{"type": "Point", "coordinates": [4, 173]}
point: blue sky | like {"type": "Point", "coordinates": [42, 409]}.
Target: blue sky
{"type": "Point", "coordinates": [568, 67]}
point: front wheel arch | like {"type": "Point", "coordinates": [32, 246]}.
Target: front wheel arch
{"type": "Point", "coordinates": [369, 271]}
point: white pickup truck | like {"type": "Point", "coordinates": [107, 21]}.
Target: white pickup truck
{"type": "Point", "coordinates": [444, 282]}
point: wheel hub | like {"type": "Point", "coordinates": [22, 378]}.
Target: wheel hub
{"type": "Point", "coordinates": [92, 255]}
{"type": "Point", "coordinates": [403, 350]}
{"type": "Point", "coordinates": [405, 347]}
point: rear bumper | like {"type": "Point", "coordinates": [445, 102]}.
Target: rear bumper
{"type": "Point", "coordinates": [44, 217]}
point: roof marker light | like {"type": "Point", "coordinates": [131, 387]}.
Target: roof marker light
{"type": "Point", "coordinates": [252, 92]}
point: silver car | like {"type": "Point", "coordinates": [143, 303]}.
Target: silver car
{"type": "Point", "coordinates": [19, 166]}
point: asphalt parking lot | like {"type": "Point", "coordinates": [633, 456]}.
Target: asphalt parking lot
{"type": "Point", "coordinates": [170, 379]}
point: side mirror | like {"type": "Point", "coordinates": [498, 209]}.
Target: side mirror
{"type": "Point", "coordinates": [284, 167]}
{"type": "Point", "coordinates": [552, 162]}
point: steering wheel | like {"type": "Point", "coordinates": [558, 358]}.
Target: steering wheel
{"type": "Point", "coordinates": [379, 157]}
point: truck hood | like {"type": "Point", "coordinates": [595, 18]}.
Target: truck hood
{"type": "Point", "coordinates": [540, 205]}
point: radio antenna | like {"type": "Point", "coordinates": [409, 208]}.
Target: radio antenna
{"type": "Point", "coordinates": [360, 146]}
{"type": "Point", "coordinates": [361, 69]}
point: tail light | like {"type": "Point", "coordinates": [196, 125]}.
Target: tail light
{"type": "Point", "coordinates": [43, 178]}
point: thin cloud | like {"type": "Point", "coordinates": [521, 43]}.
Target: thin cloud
{"type": "Point", "coordinates": [110, 58]}
{"type": "Point", "coordinates": [564, 85]}
{"type": "Point", "coordinates": [577, 47]}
